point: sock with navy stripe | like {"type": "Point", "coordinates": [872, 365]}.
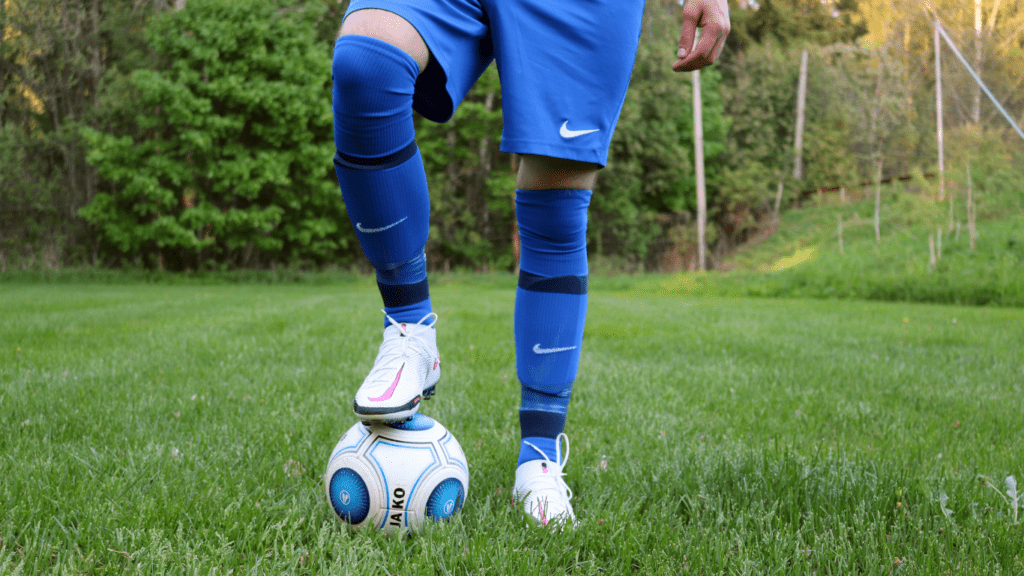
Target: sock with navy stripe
{"type": "Point", "coordinates": [380, 170]}
{"type": "Point", "coordinates": [550, 310]}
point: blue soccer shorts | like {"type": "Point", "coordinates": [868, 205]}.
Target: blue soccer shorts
{"type": "Point", "coordinates": [564, 66]}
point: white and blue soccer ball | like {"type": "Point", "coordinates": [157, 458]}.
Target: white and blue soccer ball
{"type": "Point", "coordinates": [394, 477]}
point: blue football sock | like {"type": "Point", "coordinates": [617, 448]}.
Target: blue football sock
{"type": "Point", "coordinates": [551, 307]}
{"type": "Point", "coordinates": [380, 169]}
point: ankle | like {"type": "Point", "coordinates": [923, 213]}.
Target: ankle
{"type": "Point", "coordinates": [537, 448]}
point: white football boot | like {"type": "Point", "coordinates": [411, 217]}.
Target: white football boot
{"type": "Point", "coordinates": [405, 372]}
{"type": "Point", "coordinates": [539, 486]}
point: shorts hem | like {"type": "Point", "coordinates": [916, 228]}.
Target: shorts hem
{"type": "Point", "coordinates": [517, 146]}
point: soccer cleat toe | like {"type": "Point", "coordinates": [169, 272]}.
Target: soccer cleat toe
{"type": "Point", "coordinates": [543, 492]}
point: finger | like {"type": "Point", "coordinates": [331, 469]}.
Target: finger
{"type": "Point", "coordinates": [691, 65]}
{"type": "Point", "coordinates": [719, 46]}
{"type": "Point", "coordinates": [709, 36]}
{"type": "Point", "coordinates": [700, 56]}
{"type": "Point", "coordinates": [688, 33]}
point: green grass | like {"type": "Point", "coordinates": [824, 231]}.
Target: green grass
{"type": "Point", "coordinates": [159, 428]}
{"type": "Point", "coordinates": [802, 258]}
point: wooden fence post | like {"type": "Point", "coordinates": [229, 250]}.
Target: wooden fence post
{"type": "Point", "coordinates": [931, 252]}
{"type": "Point", "coordinates": [702, 200]}
{"type": "Point", "coordinates": [938, 111]}
{"type": "Point", "coordinates": [878, 200]}
{"type": "Point", "coordinates": [840, 218]}
{"type": "Point", "coordinates": [972, 232]}
{"type": "Point", "coordinates": [801, 101]}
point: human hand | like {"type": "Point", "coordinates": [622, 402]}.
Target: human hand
{"type": "Point", "coordinates": [712, 16]}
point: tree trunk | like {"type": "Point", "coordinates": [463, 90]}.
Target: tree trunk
{"type": "Point", "coordinates": [3, 75]}
{"type": "Point", "coordinates": [702, 201]}
{"type": "Point", "coordinates": [801, 101]}
{"type": "Point", "coordinates": [875, 113]}
{"type": "Point", "coordinates": [477, 199]}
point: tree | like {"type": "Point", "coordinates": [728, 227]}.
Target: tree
{"type": "Point", "coordinates": [62, 64]}
{"type": "Point", "coordinates": [229, 157]}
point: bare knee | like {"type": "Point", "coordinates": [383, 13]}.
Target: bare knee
{"type": "Point", "coordinates": [548, 173]}
{"type": "Point", "coordinates": [390, 28]}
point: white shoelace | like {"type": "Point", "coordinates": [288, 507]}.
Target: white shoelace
{"type": "Point", "coordinates": [389, 352]}
{"type": "Point", "coordinates": [553, 482]}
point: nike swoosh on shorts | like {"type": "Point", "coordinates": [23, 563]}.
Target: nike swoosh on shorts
{"type": "Point", "coordinates": [566, 133]}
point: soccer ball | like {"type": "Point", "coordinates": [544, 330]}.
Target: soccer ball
{"type": "Point", "coordinates": [394, 477]}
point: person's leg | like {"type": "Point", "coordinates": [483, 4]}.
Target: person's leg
{"type": "Point", "coordinates": [391, 28]}
{"type": "Point", "coordinates": [552, 197]}
{"type": "Point", "coordinates": [377, 59]}
{"type": "Point", "coordinates": [382, 70]}
{"type": "Point", "coordinates": [560, 102]}
{"type": "Point", "coordinates": [551, 208]}
{"type": "Point", "coordinates": [547, 173]}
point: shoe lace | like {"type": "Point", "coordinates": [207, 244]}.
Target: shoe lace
{"type": "Point", "coordinates": [396, 348]}
{"type": "Point", "coordinates": [553, 481]}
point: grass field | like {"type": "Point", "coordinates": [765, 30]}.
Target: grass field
{"type": "Point", "coordinates": [185, 429]}
{"type": "Point", "coordinates": [802, 258]}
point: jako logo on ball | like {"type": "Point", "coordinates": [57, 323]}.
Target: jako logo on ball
{"type": "Point", "coordinates": [395, 476]}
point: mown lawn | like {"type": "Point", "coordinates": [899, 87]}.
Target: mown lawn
{"type": "Point", "coordinates": [185, 429]}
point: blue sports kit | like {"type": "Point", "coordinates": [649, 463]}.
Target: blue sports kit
{"type": "Point", "coordinates": [564, 70]}
{"type": "Point", "coordinates": [380, 169]}
{"type": "Point", "coordinates": [564, 66]}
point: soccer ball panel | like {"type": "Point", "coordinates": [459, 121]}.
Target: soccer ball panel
{"type": "Point", "coordinates": [402, 466]}
{"type": "Point", "coordinates": [445, 500]}
{"type": "Point", "coordinates": [352, 440]}
{"type": "Point", "coordinates": [453, 452]}
{"type": "Point", "coordinates": [349, 495]}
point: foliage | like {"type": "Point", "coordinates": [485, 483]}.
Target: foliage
{"type": "Point", "coordinates": [800, 21]}
{"type": "Point", "coordinates": [55, 56]}
{"type": "Point", "coordinates": [227, 162]}
{"type": "Point", "coordinates": [30, 216]}
{"type": "Point", "coordinates": [995, 160]}
{"type": "Point", "coordinates": [471, 183]}
{"type": "Point", "coordinates": [70, 69]}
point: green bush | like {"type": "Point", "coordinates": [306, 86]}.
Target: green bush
{"type": "Point", "coordinates": [230, 160]}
